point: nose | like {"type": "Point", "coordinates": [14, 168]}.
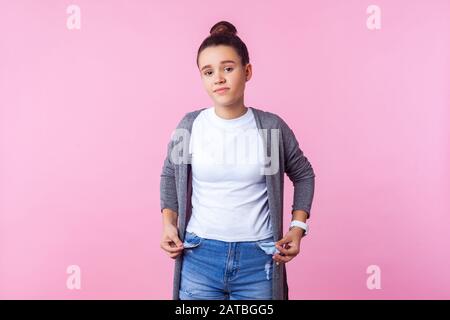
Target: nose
{"type": "Point", "coordinates": [220, 79]}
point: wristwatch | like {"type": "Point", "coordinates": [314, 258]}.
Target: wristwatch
{"type": "Point", "coordinates": [300, 224]}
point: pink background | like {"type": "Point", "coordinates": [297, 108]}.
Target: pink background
{"type": "Point", "coordinates": [86, 116]}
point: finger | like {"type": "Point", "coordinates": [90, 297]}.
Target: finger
{"type": "Point", "coordinates": [282, 250]}
{"type": "Point", "coordinates": [174, 255]}
{"type": "Point", "coordinates": [276, 257]}
{"type": "Point", "coordinates": [174, 242]}
{"type": "Point", "coordinates": [168, 248]}
{"type": "Point", "coordinates": [279, 258]}
{"type": "Point", "coordinates": [287, 258]}
{"type": "Point", "coordinates": [281, 241]}
{"type": "Point", "coordinates": [290, 251]}
{"type": "Point", "coordinates": [177, 242]}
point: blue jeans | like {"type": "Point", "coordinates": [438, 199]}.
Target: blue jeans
{"type": "Point", "coordinates": [218, 270]}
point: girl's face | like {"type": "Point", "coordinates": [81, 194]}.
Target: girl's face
{"type": "Point", "coordinates": [220, 67]}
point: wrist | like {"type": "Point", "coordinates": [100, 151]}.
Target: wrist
{"type": "Point", "coordinates": [170, 217]}
{"type": "Point", "coordinates": [297, 224]}
{"type": "Point", "coordinates": [299, 231]}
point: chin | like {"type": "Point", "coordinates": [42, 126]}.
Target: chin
{"type": "Point", "coordinates": [225, 103]}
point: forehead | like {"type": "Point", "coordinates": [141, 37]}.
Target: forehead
{"type": "Point", "coordinates": [214, 55]}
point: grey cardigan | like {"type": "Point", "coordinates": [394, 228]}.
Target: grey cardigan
{"type": "Point", "coordinates": [287, 157]}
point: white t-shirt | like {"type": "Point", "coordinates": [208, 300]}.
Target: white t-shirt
{"type": "Point", "coordinates": [229, 192]}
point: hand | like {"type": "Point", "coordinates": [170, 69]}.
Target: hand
{"type": "Point", "coordinates": [289, 246]}
{"type": "Point", "coordinates": [170, 241]}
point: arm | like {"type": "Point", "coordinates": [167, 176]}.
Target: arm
{"type": "Point", "coordinates": [170, 242]}
{"type": "Point", "coordinates": [299, 170]}
{"type": "Point", "coordinates": [168, 195]}
{"type": "Point", "coordinates": [301, 173]}
{"type": "Point", "coordinates": [170, 217]}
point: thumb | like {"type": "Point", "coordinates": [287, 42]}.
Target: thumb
{"type": "Point", "coordinates": [177, 241]}
{"type": "Point", "coordinates": [281, 241]}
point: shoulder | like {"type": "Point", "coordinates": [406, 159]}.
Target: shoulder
{"type": "Point", "coordinates": [271, 119]}
{"type": "Point", "coordinates": [188, 119]}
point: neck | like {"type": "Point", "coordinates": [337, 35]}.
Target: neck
{"type": "Point", "coordinates": [230, 111]}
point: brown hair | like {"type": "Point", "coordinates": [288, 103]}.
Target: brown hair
{"type": "Point", "coordinates": [224, 33]}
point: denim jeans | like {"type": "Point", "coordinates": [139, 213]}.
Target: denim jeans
{"type": "Point", "coordinates": [218, 270]}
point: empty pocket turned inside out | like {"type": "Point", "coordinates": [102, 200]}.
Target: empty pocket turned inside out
{"type": "Point", "coordinates": [191, 240]}
{"type": "Point", "coordinates": [267, 246]}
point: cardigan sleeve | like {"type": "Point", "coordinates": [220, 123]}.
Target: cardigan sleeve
{"type": "Point", "coordinates": [167, 186]}
{"type": "Point", "coordinates": [298, 169]}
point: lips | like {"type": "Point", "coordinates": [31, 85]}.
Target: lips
{"type": "Point", "coordinates": [221, 89]}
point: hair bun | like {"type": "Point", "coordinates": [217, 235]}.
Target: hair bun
{"type": "Point", "coordinates": [223, 27]}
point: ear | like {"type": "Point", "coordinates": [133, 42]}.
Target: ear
{"type": "Point", "coordinates": [248, 72]}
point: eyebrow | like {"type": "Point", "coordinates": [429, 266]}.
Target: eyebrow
{"type": "Point", "coordinates": [222, 62]}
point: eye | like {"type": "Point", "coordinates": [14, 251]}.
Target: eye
{"type": "Point", "coordinates": [207, 73]}
{"type": "Point", "coordinates": [231, 68]}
